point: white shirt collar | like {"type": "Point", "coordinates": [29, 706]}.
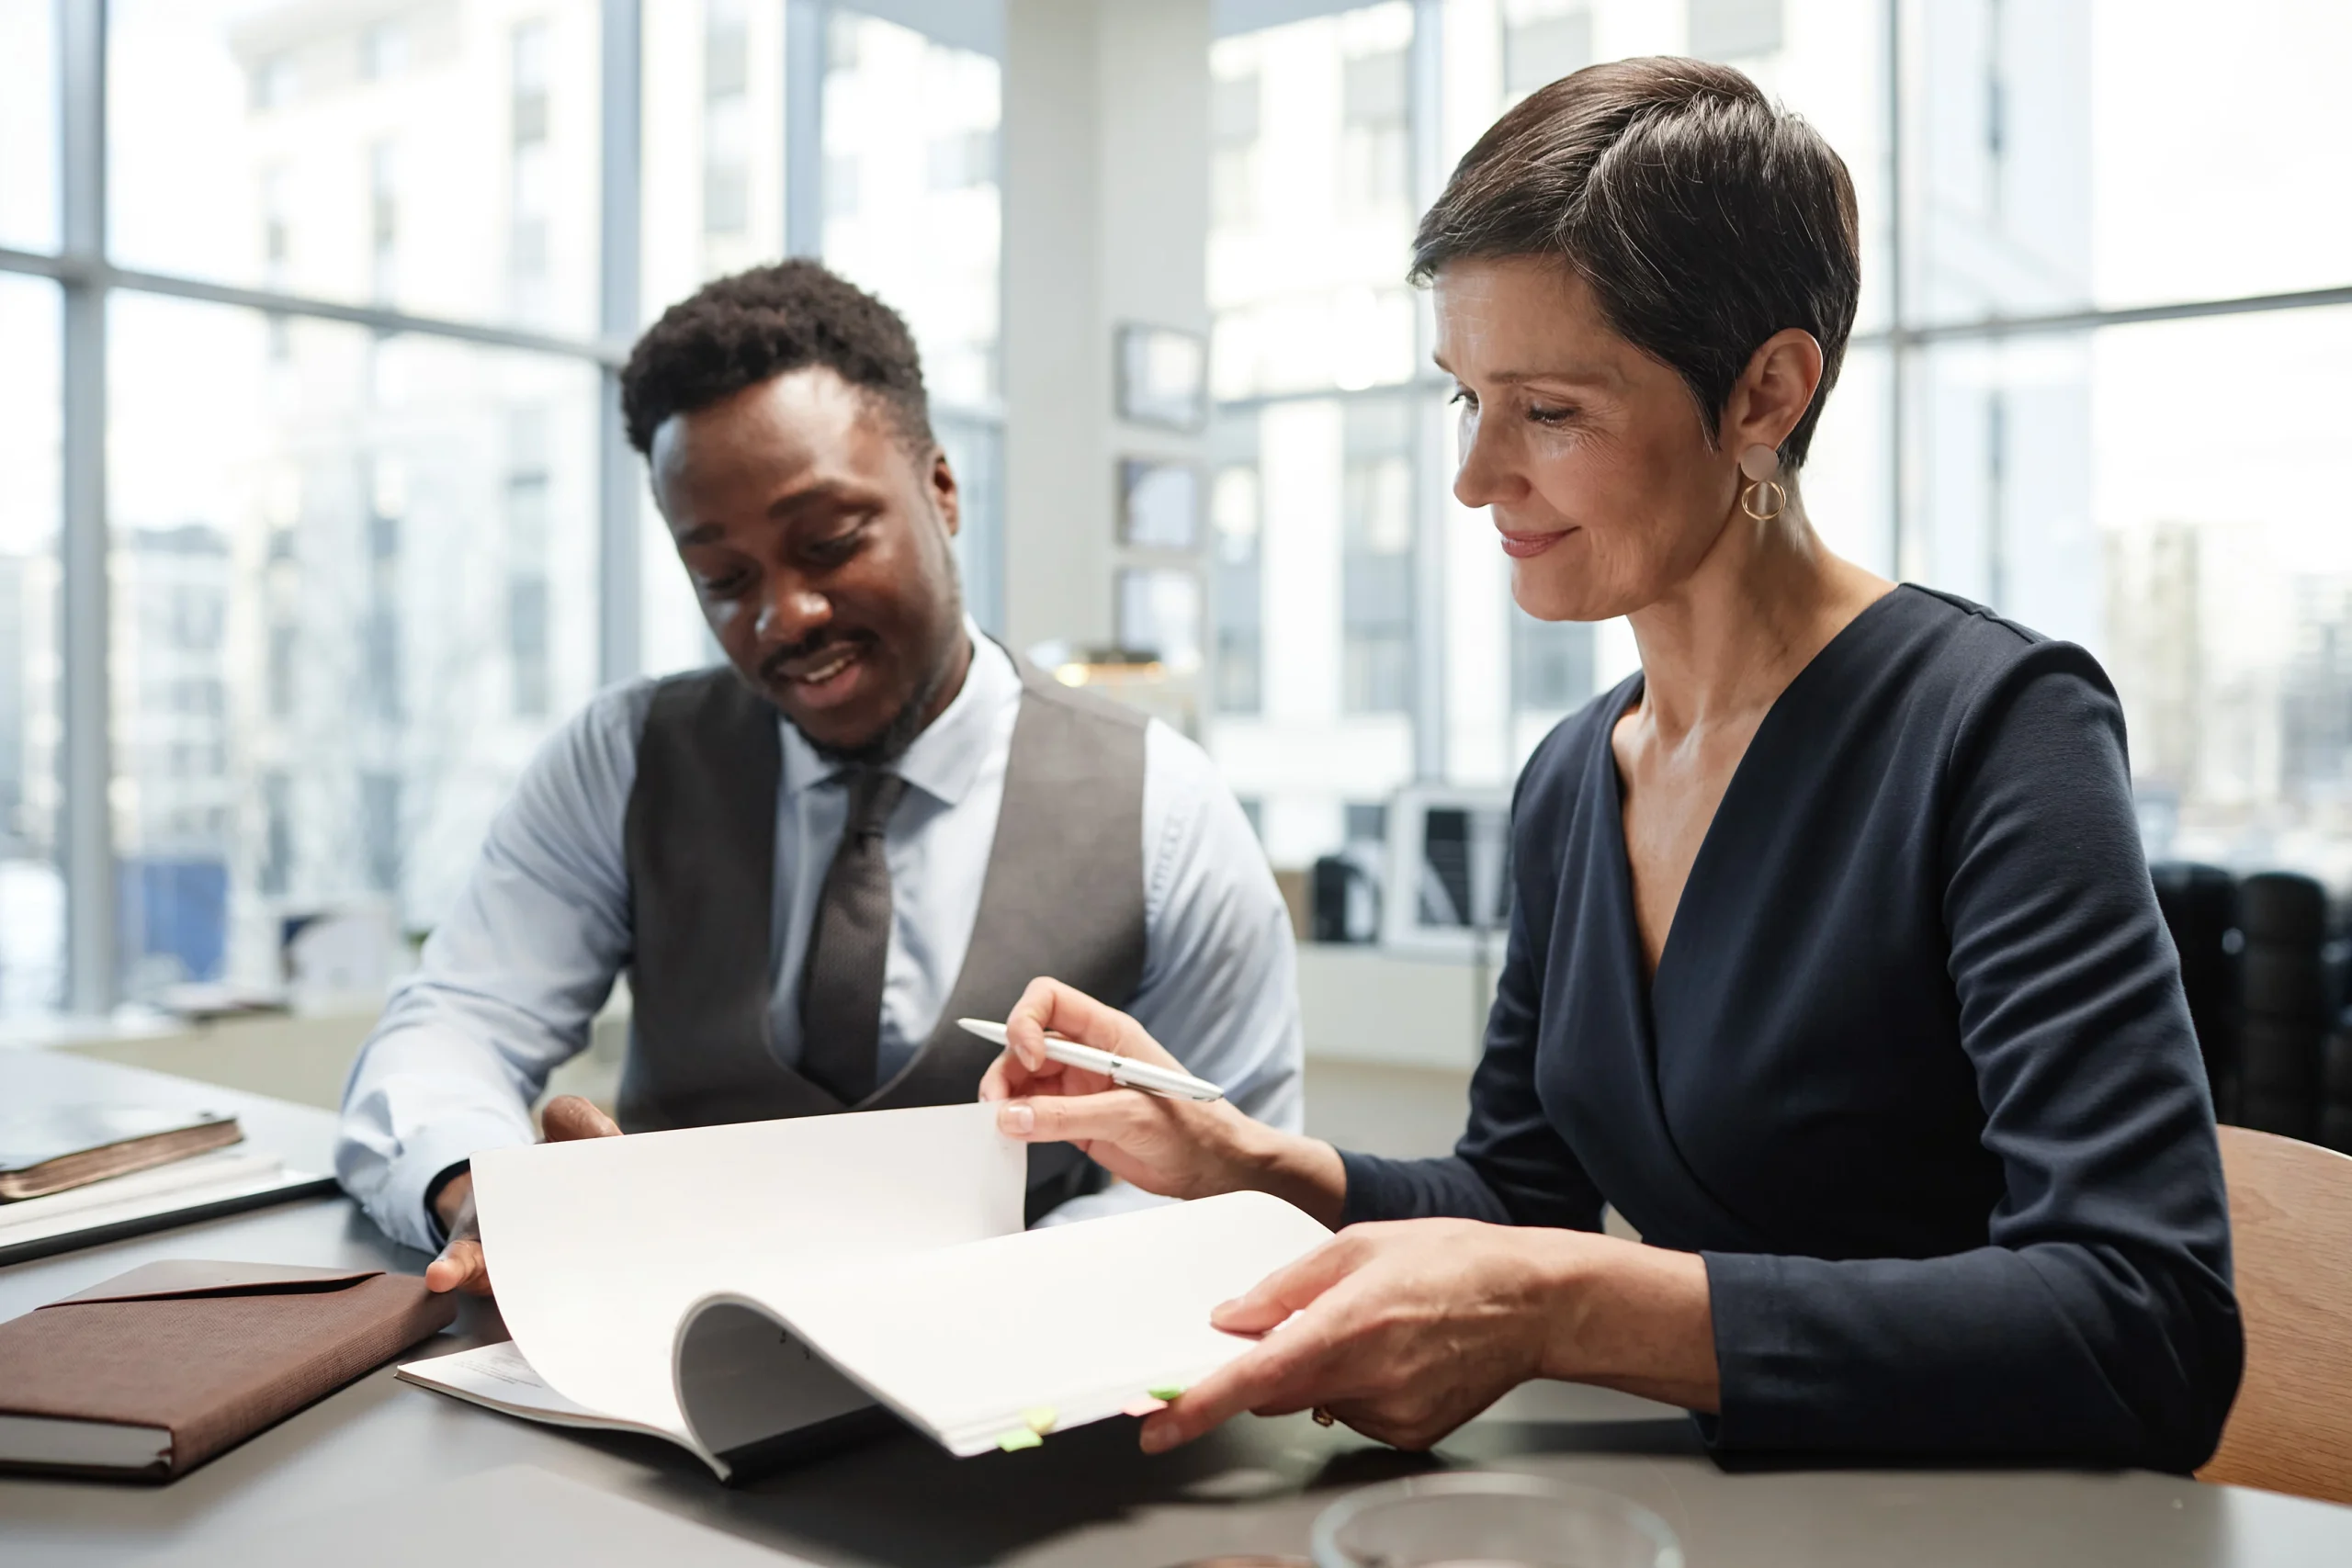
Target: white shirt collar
{"type": "Point", "coordinates": [946, 758]}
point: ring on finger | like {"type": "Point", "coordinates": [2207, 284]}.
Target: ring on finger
{"type": "Point", "coordinates": [1322, 1417]}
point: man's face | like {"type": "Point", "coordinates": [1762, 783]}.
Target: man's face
{"type": "Point", "coordinates": [819, 546]}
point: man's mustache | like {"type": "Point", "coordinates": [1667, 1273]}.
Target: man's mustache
{"type": "Point", "coordinates": [772, 667]}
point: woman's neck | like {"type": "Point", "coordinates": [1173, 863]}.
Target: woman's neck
{"type": "Point", "coordinates": [1723, 644]}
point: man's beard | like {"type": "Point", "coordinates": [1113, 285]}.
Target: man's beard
{"type": "Point", "coordinates": [890, 743]}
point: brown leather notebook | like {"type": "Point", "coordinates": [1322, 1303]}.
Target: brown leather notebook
{"type": "Point", "coordinates": [58, 1148]}
{"type": "Point", "coordinates": [148, 1375]}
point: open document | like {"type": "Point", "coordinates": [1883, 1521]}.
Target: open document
{"type": "Point", "coordinates": [734, 1287]}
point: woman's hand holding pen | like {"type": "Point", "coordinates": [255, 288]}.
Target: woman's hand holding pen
{"type": "Point", "coordinates": [1403, 1330]}
{"type": "Point", "coordinates": [1174, 1147]}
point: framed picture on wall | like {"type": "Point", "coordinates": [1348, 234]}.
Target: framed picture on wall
{"type": "Point", "coordinates": [1163, 377]}
{"type": "Point", "coordinates": [1159, 505]}
{"type": "Point", "coordinates": [1159, 614]}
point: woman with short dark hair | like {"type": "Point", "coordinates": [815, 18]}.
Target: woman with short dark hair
{"type": "Point", "coordinates": [1834, 964]}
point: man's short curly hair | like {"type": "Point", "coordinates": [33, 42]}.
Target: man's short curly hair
{"type": "Point", "coordinates": [738, 332]}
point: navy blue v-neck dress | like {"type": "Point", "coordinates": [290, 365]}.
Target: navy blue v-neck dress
{"type": "Point", "coordinates": [1914, 1075]}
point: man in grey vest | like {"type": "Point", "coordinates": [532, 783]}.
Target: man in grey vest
{"type": "Point", "coordinates": [871, 821]}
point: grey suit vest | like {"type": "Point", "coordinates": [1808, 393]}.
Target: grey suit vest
{"type": "Point", "coordinates": [1063, 895]}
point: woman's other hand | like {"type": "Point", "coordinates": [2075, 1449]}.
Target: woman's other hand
{"type": "Point", "coordinates": [1177, 1148]}
{"type": "Point", "coordinates": [1405, 1330]}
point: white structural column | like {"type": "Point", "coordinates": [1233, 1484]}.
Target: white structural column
{"type": "Point", "coordinates": [1105, 181]}
{"type": "Point", "coordinates": [88, 762]}
{"type": "Point", "coordinates": [620, 522]}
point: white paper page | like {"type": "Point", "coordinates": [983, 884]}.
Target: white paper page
{"type": "Point", "coordinates": [498, 1376]}
{"type": "Point", "coordinates": [596, 1247]}
{"type": "Point", "coordinates": [1080, 1318]}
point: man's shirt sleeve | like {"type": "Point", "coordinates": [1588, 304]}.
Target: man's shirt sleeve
{"type": "Point", "coordinates": [1220, 975]}
{"type": "Point", "coordinates": [509, 982]}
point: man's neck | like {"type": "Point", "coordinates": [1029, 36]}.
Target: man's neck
{"type": "Point", "coordinates": [951, 683]}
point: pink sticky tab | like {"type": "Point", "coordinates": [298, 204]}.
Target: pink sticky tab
{"type": "Point", "coordinates": [1143, 1406]}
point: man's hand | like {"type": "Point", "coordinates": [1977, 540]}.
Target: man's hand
{"type": "Point", "coordinates": [461, 1266]}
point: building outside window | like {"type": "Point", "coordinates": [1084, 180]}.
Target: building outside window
{"type": "Point", "coordinates": [528, 485]}
{"type": "Point", "coordinates": [335, 495]}
{"type": "Point", "coordinates": [912, 212]}
{"type": "Point", "coordinates": [1542, 41]}
{"type": "Point", "coordinates": [726, 121]}
{"type": "Point", "coordinates": [1374, 155]}
{"type": "Point", "coordinates": [2044, 471]}
{"type": "Point", "coordinates": [32, 886]}
{"type": "Point", "coordinates": [1311, 226]}
{"type": "Point", "coordinates": [2010, 423]}
{"type": "Point", "coordinates": [532, 175]}
{"type": "Point", "coordinates": [1233, 150]}
{"type": "Point", "coordinates": [1376, 556]}
{"type": "Point", "coordinates": [911, 198]}
{"type": "Point", "coordinates": [1237, 586]}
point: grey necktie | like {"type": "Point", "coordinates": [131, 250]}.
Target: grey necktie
{"type": "Point", "coordinates": [849, 947]}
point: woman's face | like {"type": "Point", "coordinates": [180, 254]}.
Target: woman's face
{"type": "Point", "coordinates": [1590, 452]}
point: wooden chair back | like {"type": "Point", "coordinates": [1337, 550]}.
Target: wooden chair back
{"type": "Point", "coordinates": [2290, 1225]}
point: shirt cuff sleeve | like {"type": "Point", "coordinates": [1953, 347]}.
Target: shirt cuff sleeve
{"type": "Point", "coordinates": [1753, 1359]}
{"type": "Point", "coordinates": [403, 1213]}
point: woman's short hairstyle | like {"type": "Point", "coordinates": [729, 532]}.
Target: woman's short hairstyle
{"type": "Point", "coordinates": [1703, 218]}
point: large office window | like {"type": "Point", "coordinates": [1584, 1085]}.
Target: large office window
{"type": "Point", "coordinates": [2089, 384]}
{"type": "Point", "coordinates": [1376, 556]}
{"type": "Point", "coordinates": [911, 193]}
{"type": "Point", "coordinates": [32, 890]}
{"type": "Point", "coordinates": [440, 160]}
{"type": "Point", "coordinates": [1312, 324]}
{"type": "Point", "coordinates": [29, 125]}
{"type": "Point", "coordinates": [330, 516]}
{"type": "Point", "coordinates": [911, 209]}
{"type": "Point", "coordinates": [1236, 583]}
{"type": "Point", "coordinates": [891, 177]}
{"type": "Point", "coordinates": [328, 672]}
{"type": "Point", "coordinates": [1328, 133]}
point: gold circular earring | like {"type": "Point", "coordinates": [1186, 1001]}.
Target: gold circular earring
{"type": "Point", "coordinates": [1755, 490]}
{"type": "Point", "coordinates": [1758, 464]}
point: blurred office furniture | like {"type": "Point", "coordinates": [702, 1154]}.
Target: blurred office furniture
{"type": "Point", "coordinates": [2266, 993]}
{"type": "Point", "coordinates": [1449, 870]}
{"type": "Point", "coordinates": [1136, 676]}
{"type": "Point", "coordinates": [2290, 1221]}
{"type": "Point", "coordinates": [1346, 897]}
{"type": "Point", "coordinates": [2200, 905]}
{"type": "Point", "coordinates": [2336, 1087]}
{"type": "Point", "coordinates": [2283, 1001]}
{"type": "Point", "coordinates": [350, 953]}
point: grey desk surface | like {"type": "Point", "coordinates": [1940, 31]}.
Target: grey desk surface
{"type": "Point", "coordinates": [394, 1469]}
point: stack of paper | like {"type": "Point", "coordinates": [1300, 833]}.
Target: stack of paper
{"type": "Point", "coordinates": [724, 1287]}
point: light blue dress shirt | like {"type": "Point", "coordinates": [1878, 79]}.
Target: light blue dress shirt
{"type": "Point", "coordinates": [512, 979]}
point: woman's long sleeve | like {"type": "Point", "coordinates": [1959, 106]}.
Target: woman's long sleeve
{"type": "Point", "coordinates": [2098, 1323]}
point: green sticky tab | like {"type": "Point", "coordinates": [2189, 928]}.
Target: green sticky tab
{"type": "Point", "coordinates": [1020, 1438]}
{"type": "Point", "coordinates": [1166, 1391]}
{"type": "Point", "coordinates": [1041, 1419]}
